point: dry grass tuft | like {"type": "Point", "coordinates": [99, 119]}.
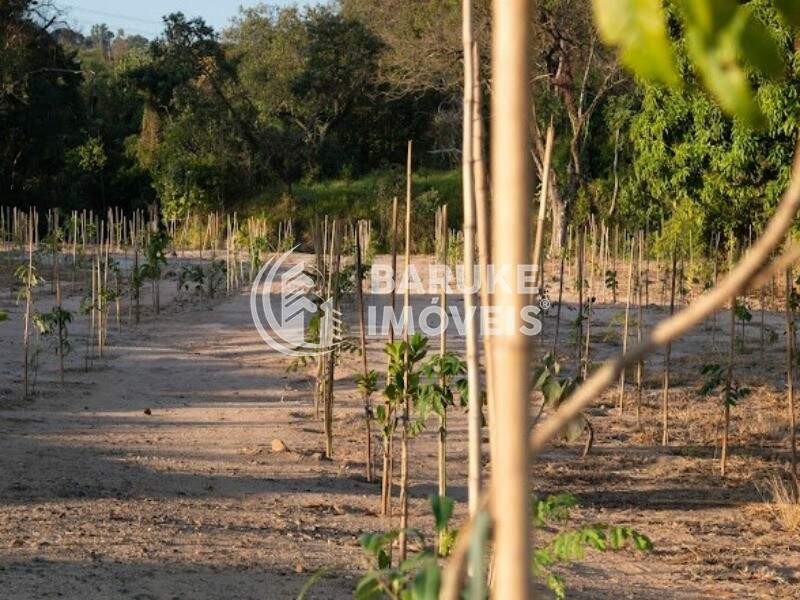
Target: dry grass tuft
{"type": "Point", "coordinates": [782, 503]}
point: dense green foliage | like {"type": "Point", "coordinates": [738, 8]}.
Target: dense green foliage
{"type": "Point", "coordinates": [703, 170]}
{"type": "Point", "coordinates": [419, 577]}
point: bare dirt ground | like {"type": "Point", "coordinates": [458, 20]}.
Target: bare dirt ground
{"type": "Point", "coordinates": [100, 500]}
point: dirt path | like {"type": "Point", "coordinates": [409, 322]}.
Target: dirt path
{"type": "Point", "coordinates": [100, 500]}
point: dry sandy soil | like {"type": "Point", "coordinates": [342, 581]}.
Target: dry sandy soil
{"type": "Point", "coordinates": [100, 500]}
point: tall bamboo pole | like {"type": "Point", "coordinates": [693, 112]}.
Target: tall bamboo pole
{"type": "Point", "coordinates": [726, 411]}
{"type": "Point", "coordinates": [639, 327]}
{"type": "Point", "coordinates": [537, 246]}
{"type": "Point", "coordinates": [473, 381]}
{"type": "Point", "coordinates": [581, 234]}
{"type": "Point", "coordinates": [388, 446]}
{"type": "Point", "coordinates": [790, 366]}
{"type": "Point", "coordinates": [511, 249]}
{"type": "Point", "coordinates": [625, 328]}
{"type": "Point", "coordinates": [28, 308]}
{"type": "Point", "coordinates": [333, 296]}
{"type": "Point", "coordinates": [667, 357]}
{"type": "Point", "coordinates": [484, 238]}
{"type": "Point", "coordinates": [442, 464]}
{"type": "Point", "coordinates": [403, 540]}
{"type": "Point", "coordinates": [363, 341]}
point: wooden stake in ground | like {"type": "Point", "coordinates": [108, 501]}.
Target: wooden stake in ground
{"type": "Point", "coordinates": [511, 248]}
{"type": "Point", "coordinates": [470, 316]}
{"type": "Point", "coordinates": [59, 314]}
{"type": "Point", "coordinates": [563, 260]}
{"type": "Point", "coordinates": [537, 245]}
{"type": "Point", "coordinates": [790, 366]}
{"type": "Point", "coordinates": [363, 340]}
{"type": "Point", "coordinates": [28, 308]}
{"type": "Point", "coordinates": [667, 355]}
{"type": "Point", "coordinates": [320, 252]}
{"type": "Point", "coordinates": [333, 302]}
{"type": "Point", "coordinates": [625, 328]}
{"type": "Point", "coordinates": [136, 281]}
{"type": "Point", "coordinates": [442, 449]}
{"type": "Point", "coordinates": [579, 321]}
{"type": "Point", "coordinates": [728, 392]}
{"type": "Point", "coordinates": [403, 538]}
{"type": "Point", "coordinates": [639, 326]}
{"type": "Point", "coordinates": [484, 241]}
{"type": "Point", "coordinates": [388, 444]}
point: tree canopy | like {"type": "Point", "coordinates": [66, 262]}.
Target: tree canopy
{"type": "Point", "coordinates": [203, 119]}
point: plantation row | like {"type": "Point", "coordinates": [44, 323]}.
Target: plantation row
{"type": "Point", "coordinates": [110, 260]}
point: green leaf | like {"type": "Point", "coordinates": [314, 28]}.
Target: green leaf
{"type": "Point", "coordinates": [442, 507]}
{"type": "Point", "coordinates": [427, 583]}
{"type": "Point", "coordinates": [311, 582]}
{"type": "Point", "coordinates": [790, 11]}
{"type": "Point", "coordinates": [574, 429]}
{"type": "Point", "coordinates": [759, 47]}
{"type": "Point", "coordinates": [552, 391]}
{"type": "Point", "coordinates": [718, 35]}
{"type": "Point", "coordinates": [642, 542]}
{"type": "Point", "coordinates": [384, 561]}
{"type": "Point", "coordinates": [369, 588]}
{"type": "Point", "coordinates": [555, 583]}
{"type": "Point", "coordinates": [638, 28]}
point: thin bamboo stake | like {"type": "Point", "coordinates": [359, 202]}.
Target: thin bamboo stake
{"type": "Point", "coordinates": [723, 461]}
{"type": "Point", "coordinates": [442, 443]}
{"type": "Point", "coordinates": [363, 341]}
{"type": "Point", "coordinates": [579, 283]}
{"type": "Point", "coordinates": [548, 153]}
{"type": "Point", "coordinates": [473, 381]}
{"type": "Point", "coordinates": [667, 356]}
{"type": "Point", "coordinates": [28, 309]}
{"type": "Point", "coordinates": [388, 449]}
{"type": "Point", "coordinates": [639, 327]}
{"type": "Point", "coordinates": [621, 402]}
{"type": "Point", "coordinates": [790, 366]}
{"type": "Point", "coordinates": [403, 539]}
{"type": "Point", "coordinates": [333, 296]}
{"type": "Point", "coordinates": [484, 239]}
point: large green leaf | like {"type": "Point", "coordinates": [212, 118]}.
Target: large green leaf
{"type": "Point", "coordinates": [758, 46]}
{"type": "Point", "coordinates": [790, 9]}
{"type": "Point", "coordinates": [442, 507]}
{"type": "Point", "coordinates": [426, 584]}
{"type": "Point", "coordinates": [639, 28]}
{"type": "Point", "coordinates": [719, 34]}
